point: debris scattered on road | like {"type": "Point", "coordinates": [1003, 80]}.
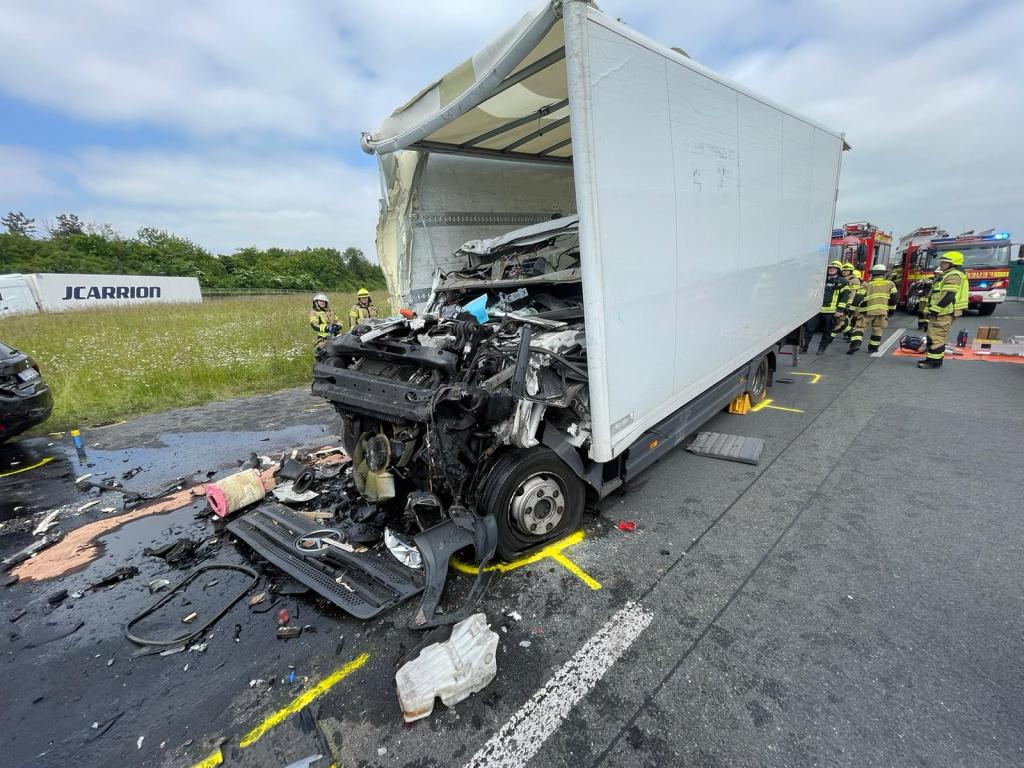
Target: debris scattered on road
{"type": "Point", "coordinates": [56, 598]}
{"type": "Point", "coordinates": [300, 475]}
{"type": "Point", "coordinates": [190, 618]}
{"type": "Point", "coordinates": [175, 553]}
{"type": "Point", "coordinates": [80, 547]}
{"type": "Point", "coordinates": [231, 493]}
{"type": "Point", "coordinates": [525, 643]}
{"type": "Point", "coordinates": [138, 744]}
{"type": "Point", "coordinates": [131, 473]}
{"type": "Point", "coordinates": [257, 598]}
{"type": "Point", "coordinates": [305, 762]}
{"type": "Point", "coordinates": [282, 617]}
{"type": "Point", "coordinates": [101, 727]}
{"type": "Point", "coordinates": [627, 525]}
{"type": "Point", "coordinates": [31, 550]}
{"type": "Point", "coordinates": [286, 492]}
{"type": "Point", "coordinates": [515, 616]}
{"type": "Point", "coordinates": [214, 616]}
{"type": "Point", "coordinates": [746, 450]}
{"type": "Point", "coordinates": [158, 584]}
{"type": "Point", "coordinates": [88, 505]}
{"type": "Point", "coordinates": [405, 553]}
{"type": "Point", "coordinates": [46, 523]}
{"type": "Point", "coordinates": [172, 651]}
{"type": "Point", "coordinates": [121, 574]}
{"type": "Point", "coordinates": [288, 632]}
{"type": "Point", "coordinates": [462, 665]}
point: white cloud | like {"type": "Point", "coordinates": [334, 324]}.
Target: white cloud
{"type": "Point", "coordinates": [229, 200]}
{"type": "Point", "coordinates": [928, 94]}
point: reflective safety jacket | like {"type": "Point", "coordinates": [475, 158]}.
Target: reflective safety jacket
{"type": "Point", "coordinates": [949, 293]}
{"type": "Point", "coordinates": [832, 300]}
{"type": "Point", "coordinates": [852, 295]}
{"type": "Point", "coordinates": [359, 312]}
{"type": "Point", "coordinates": [963, 293]}
{"type": "Point", "coordinates": [320, 320]}
{"type": "Point", "coordinates": [880, 296]}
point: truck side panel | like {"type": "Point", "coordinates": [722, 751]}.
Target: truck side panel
{"type": "Point", "coordinates": [57, 292]}
{"type": "Point", "coordinates": [705, 221]}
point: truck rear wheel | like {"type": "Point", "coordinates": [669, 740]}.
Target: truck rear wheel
{"type": "Point", "coordinates": [535, 499]}
{"type": "Point", "coordinates": [987, 308]}
{"type": "Point", "coordinates": [757, 387]}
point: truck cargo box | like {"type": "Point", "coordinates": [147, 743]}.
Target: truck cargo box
{"type": "Point", "coordinates": [705, 210]}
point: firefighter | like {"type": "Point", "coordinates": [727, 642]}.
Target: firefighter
{"type": "Point", "coordinates": [852, 295]}
{"type": "Point", "coordinates": [830, 316]}
{"type": "Point", "coordinates": [322, 318]}
{"type": "Point", "coordinates": [362, 309]}
{"type": "Point", "coordinates": [922, 301]}
{"type": "Point", "coordinates": [878, 305]}
{"type": "Point", "coordinates": [947, 300]}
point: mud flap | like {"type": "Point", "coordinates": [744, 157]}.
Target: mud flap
{"type": "Point", "coordinates": [463, 529]}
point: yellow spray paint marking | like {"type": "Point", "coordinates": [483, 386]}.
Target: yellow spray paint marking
{"type": "Point", "coordinates": [294, 706]}
{"type": "Point", "coordinates": [767, 403]}
{"type": "Point", "coordinates": [91, 429]}
{"type": "Point", "coordinates": [552, 551]}
{"type": "Point", "coordinates": [815, 377]}
{"type": "Point", "coordinates": [47, 460]}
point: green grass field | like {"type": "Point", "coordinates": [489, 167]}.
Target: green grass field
{"type": "Point", "coordinates": [109, 364]}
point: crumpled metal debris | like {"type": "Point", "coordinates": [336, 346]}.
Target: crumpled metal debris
{"type": "Point", "coordinates": [407, 554]}
{"type": "Point", "coordinates": [453, 670]}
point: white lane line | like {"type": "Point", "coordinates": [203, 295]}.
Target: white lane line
{"type": "Point", "coordinates": [887, 344]}
{"type": "Point", "coordinates": [527, 730]}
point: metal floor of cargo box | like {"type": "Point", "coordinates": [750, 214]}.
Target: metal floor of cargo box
{"type": "Point", "coordinates": [852, 600]}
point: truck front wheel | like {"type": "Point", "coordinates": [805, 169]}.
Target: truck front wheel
{"type": "Point", "coordinates": [535, 498]}
{"type": "Point", "coordinates": [987, 308]}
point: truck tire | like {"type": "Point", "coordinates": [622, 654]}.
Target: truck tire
{"type": "Point", "coordinates": [757, 386]}
{"type": "Point", "coordinates": [987, 308]}
{"type": "Point", "coordinates": [535, 499]}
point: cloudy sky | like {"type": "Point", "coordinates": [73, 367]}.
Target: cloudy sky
{"type": "Point", "coordinates": [237, 123]}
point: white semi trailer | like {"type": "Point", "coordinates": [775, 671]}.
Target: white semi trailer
{"type": "Point", "coordinates": [45, 292]}
{"type": "Point", "coordinates": [605, 241]}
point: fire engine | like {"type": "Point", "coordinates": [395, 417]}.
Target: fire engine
{"type": "Point", "coordinates": [860, 243]}
{"type": "Point", "coordinates": [986, 263]}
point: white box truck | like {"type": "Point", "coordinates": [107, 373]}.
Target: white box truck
{"type": "Point", "coordinates": [44, 292]}
{"type": "Point", "coordinates": [605, 243]}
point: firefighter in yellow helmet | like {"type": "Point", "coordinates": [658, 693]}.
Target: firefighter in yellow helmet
{"type": "Point", "coordinates": [879, 304]}
{"type": "Point", "coordinates": [322, 318]}
{"type": "Point", "coordinates": [852, 297]}
{"type": "Point", "coordinates": [829, 320]}
{"type": "Point", "coordinates": [362, 309]}
{"type": "Point", "coordinates": [947, 300]}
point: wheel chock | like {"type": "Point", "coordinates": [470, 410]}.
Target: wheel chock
{"type": "Point", "coordinates": [741, 405]}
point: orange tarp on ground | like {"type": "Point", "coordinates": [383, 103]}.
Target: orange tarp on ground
{"type": "Point", "coordinates": [968, 354]}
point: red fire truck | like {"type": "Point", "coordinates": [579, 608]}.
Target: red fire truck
{"type": "Point", "coordinates": [986, 263]}
{"type": "Point", "coordinates": [860, 243]}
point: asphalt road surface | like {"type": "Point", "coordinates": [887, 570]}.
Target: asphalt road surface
{"type": "Point", "coordinates": [856, 599]}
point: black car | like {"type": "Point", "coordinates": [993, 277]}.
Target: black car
{"type": "Point", "coordinates": [25, 399]}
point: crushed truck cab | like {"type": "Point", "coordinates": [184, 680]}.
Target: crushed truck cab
{"type": "Point", "coordinates": [604, 243]}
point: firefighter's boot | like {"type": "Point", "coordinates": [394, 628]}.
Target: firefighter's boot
{"type": "Point", "coordinates": [929, 363]}
{"type": "Point", "coordinates": [854, 346]}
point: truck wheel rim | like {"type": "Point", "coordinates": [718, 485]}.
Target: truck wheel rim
{"type": "Point", "coordinates": [538, 505]}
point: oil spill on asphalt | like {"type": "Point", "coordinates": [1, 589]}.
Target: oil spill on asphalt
{"type": "Point", "coordinates": [157, 695]}
{"type": "Point", "coordinates": [31, 490]}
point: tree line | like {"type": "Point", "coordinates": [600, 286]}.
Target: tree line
{"type": "Point", "coordinates": [68, 245]}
